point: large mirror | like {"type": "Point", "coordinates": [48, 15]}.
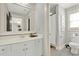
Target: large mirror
{"type": "Point", "coordinates": [17, 16]}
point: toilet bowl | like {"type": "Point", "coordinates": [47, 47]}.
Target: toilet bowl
{"type": "Point", "coordinates": [74, 47]}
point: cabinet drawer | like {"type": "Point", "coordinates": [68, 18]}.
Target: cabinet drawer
{"type": "Point", "coordinates": [23, 44]}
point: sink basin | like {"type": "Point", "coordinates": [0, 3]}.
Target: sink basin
{"type": "Point", "coordinates": [33, 35]}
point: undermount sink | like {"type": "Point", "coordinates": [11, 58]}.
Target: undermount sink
{"type": "Point", "coordinates": [33, 35]}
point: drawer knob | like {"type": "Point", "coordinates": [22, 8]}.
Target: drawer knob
{"type": "Point", "coordinates": [3, 49]}
{"type": "Point", "coordinates": [23, 49]}
{"type": "Point", "coordinates": [25, 44]}
{"type": "Point", "coordinates": [26, 48]}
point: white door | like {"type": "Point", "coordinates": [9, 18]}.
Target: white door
{"type": "Point", "coordinates": [5, 50]}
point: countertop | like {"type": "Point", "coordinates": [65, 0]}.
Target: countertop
{"type": "Point", "coordinates": [16, 33]}
{"type": "Point", "coordinates": [16, 39]}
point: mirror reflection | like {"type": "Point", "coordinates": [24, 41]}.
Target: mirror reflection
{"type": "Point", "coordinates": [17, 17]}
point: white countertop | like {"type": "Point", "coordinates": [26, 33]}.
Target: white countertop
{"type": "Point", "coordinates": [15, 33]}
{"type": "Point", "coordinates": [15, 39]}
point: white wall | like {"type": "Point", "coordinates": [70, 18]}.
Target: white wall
{"type": "Point", "coordinates": [3, 12]}
{"type": "Point", "coordinates": [40, 23]}
{"type": "Point", "coordinates": [39, 18]}
{"type": "Point", "coordinates": [32, 17]}
{"type": "Point", "coordinates": [60, 27]}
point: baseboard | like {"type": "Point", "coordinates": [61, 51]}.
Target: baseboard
{"type": "Point", "coordinates": [52, 45]}
{"type": "Point", "coordinates": [60, 47]}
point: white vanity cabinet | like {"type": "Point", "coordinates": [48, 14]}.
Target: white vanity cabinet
{"type": "Point", "coordinates": [20, 46]}
{"type": "Point", "coordinates": [5, 50]}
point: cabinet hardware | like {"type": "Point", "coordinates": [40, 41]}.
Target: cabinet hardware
{"type": "Point", "coordinates": [3, 49]}
{"type": "Point", "coordinates": [26, 48]}
{"type": "Point", "coordinates": [25, 44]}
{"type": "Point", "coordinates": [23, 49]}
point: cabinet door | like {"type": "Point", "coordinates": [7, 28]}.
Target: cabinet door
{"type": "Point", "coordinates": [18, 49]}
{"type": "Point", "coordinates": [31, 48]}
{"type": "Point", "coordinates": [5, 50]}
{"type": "Point", "coordinates": [23, 48]}
{"type": "Point", "coordinates": [39, 47]}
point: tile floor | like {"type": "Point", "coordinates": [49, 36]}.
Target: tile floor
{"type": "Point", "coordinates": [63, 52]}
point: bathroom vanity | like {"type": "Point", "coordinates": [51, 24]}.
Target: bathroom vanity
{"type": "Point", "coordinates": [20, 45]}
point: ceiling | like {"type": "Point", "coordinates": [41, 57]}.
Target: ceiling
{"type": "Point", "coordinates": [24, 8]}
{"type": "Point", "coordinates": [68, 5]}
{"type": "Point", "coordinates": [19, 8]}
{"type": "Point", "coordinates": [63, 5]}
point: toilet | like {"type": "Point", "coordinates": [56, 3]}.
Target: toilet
{"type": "Point", "coordinates": [74, 47]}
{"type": "Point", "coordinates": [74, 44]}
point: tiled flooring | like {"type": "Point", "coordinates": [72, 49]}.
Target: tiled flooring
{"type": "Point", "coordinates": [63, 52]}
